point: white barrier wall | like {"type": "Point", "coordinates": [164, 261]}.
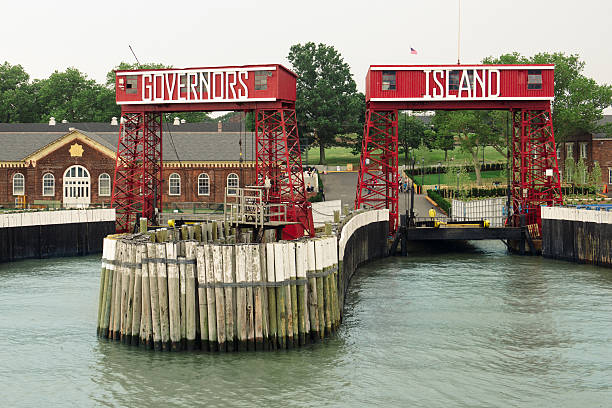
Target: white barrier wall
{"type": "Point", "coordinates": [492, 209]}
{"type": "Point", "coordinates": [356, 222]}
{"type": "Point", "coordinates": [26, 219]}
{"type": "Point", "coordinates": [323, 211]}
{"type": "Point", "coordinates": [574, 214]}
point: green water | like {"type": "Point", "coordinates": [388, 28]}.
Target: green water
{"type": "Point", "coordinates": [473, 328]}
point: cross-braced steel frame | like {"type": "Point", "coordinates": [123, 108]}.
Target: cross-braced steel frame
{"type": "Point", "coordinates": [378, 182]}
{"type": "Point", "coordinates": [535, 175]}
{"type": "Point", "coordinates": [278, 164]}
{"type": "Point", "coordinates": [138, 177]}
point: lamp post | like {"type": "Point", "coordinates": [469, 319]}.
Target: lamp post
{"type": "Point", "coordinates": [422, 172]}
{"type": "Point", "coordinates": [439, 164]}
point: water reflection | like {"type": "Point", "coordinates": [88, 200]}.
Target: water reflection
{"type": "Point", "coordinates": [457, 326]}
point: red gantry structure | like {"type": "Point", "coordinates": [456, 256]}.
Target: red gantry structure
{"type": "Point", "coordinates": [524, 90]}
{"type": "Point", "coordinates": [268, 90]}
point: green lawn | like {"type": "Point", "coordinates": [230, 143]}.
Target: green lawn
{"type": "Point", "coordinates": [340, 156]}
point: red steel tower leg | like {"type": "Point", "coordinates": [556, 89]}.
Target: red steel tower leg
{"type": "Point", "coordinates": [378, 183]}
{"type": "Point", "coordinates": [137, 183]}
{"type": "Point", "coordinates": [278, 159]}
{"type": "Point", "coordinates": [535, 175]}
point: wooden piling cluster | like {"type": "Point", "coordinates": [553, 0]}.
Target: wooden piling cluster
{"type": "Point", "coordinates": [196, 288]}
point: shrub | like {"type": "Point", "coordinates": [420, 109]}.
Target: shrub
{"type": "Point", "coordinates": [443, 203]}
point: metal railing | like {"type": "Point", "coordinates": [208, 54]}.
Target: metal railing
{"type": "Point", "coordinates": [246, 205]}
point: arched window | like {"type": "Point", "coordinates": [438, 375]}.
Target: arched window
{"type": "Point", "coordinates": [18, 184]}
{"type": "Point", "coordinates": [203, 184]}
{"type": "Point", "coordinates": [48, 185]}
{"type": "Point", "coordinates": [104, 185]}
{"type": "Point", "coordinates": [232, 184]}
{"type": "Point", "coordinates": [174, 184]}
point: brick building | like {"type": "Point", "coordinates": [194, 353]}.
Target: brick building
{"type": "Point", "coordinates": [591, 147]}
{"type": "Point", "coordinates": [72, 164]}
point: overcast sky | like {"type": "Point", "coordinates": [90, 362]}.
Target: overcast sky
{"type": "Point", "coordinates": [93, 36]}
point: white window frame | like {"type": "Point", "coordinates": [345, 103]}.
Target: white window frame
{"type": "Point", "coordinates": [204, 176]}
{"type": "Point", "coordinates": [22, 178]}
{"type": "Point", "coordinates": [174, 176]}
{"type": "Point", "coordinates": [232, 176]}
{"type": "Point", "coordinates": [569, 150]}
{"type": "Point", "coordinates": [110, 185]}
{"type": "Point", "coordinates": [583, 150]}
{"type": "Point", "coordinates": [558, 152]}
{"type": "Point", "coordinates": [609, 175]}
{"type": "Point", "coordinates": [51, 187]}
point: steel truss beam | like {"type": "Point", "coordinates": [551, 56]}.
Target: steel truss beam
{"type": "Point", "coordinates": [137, 186]}
{"type": "Point", "coordinates": [378, 183]}
{"type": "Point", "coordinates": [535, 174]}
{"type": "Point", "coordinates": [278, 163]}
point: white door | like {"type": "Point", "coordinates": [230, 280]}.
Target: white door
{"type": "Point", "coordinates": [77, 190]}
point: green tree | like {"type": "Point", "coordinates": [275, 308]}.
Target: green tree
{"type": "Point", "coordinates": [411, 133]}
{"type": "Point", "coordinates": [596, 177]}
{"type": "Point", "coordinates": [444, 141]}
{"type": "Point", "coordinates": [70, 95]}
{"type": "Point", "coordinates": [17, 95]}
{"type": "Point", "coordinates": [473, 130]}
{"type": "Point", "coordinates": [110, 75]}
{"type": "Point", "coordinates": [581, 172]}
{"type": "Point", "coordinates": [327, 100]}
{"type": "Point", "coordinates": [579, 101]}
{"type": "Point", "coordinates": [570, 168]}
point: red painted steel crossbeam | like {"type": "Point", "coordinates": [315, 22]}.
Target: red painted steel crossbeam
{"type": "Point", "coordinates": [535, 175]}
{"type": "Point", "coordinates": [378, 182]}
{"type": "Point", "coordinates": [144, 94]}
{"type": "Point", "coordinates": [525, 90]}
{"type": "Point", "coordinates": [137, 180]}
{"type": "Point", "coordinates": [278, 164]}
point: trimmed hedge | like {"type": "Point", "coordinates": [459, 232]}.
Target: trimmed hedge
{"type": "Point", "coordinates": [475, 192]}
{"type": "Point", "coordinates": [502, 192]}
{"type": "Point", "coordinates": [443, 203]}
{"type": "Point", "coordinates": [468, 167]}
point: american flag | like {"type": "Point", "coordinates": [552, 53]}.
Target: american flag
{"type": "Point", "coordinates": [413, 51]}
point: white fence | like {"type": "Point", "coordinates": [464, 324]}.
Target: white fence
{"type": "Point", "coordinates": [492, 209]}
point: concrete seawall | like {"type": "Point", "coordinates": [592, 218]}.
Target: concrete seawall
{"type": "Point", "coordinates": [583, 236]}
{"type": "Point", "coordinates": [45, 234]}
{"type": "Point", "coordinates": [196, 288]}
{"type": "Point", "coordinates": [363, 238]}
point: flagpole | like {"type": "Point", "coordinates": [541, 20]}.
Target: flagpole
{"type": "Point", "coordinates": [459, 37]}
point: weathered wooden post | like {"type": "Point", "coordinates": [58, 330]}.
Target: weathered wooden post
{"type": "Point", "coordinates": [162, 288]}
{"type": "Point", "coordinates": [191, 295]}
{"type": "Point", "coordinates": [146, 331]}
{"type": "Point", "coordinates": [211, 298]}
{"type": "Point", "coordinates": [137, 299]}
{"type": "Point", "coordinates": [293, 292]}
{"type": "Point", "coordinates": [281, 291]}
{"type": "Point", "coordinates": [219, 296]}
{"type": "Point", "coordinates": [301, 266]}
{"type": "Point", "coordinates": [313, 298]}
{"type": "Point", "coordinates": [272, 313]}
{"type": "Point", "coordinates": [202, 296]}
{"type": "Point", "coordinates": [230, 297]}
{"type": "Point", "coordinates": [241, 297]}
{"type": "Point", "coordinates": [319, 266]}
{"type": "Point", "coordinates": [154, 291]}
